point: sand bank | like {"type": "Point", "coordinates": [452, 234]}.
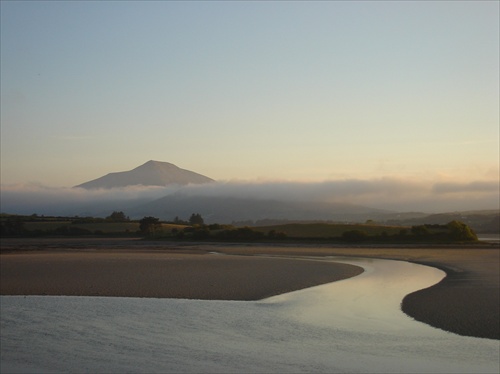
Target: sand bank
{"type": "Point", "coordinates": [162, 275]}
{"type": "Point", "coordinates": [465, 302]}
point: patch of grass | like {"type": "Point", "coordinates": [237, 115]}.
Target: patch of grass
{"type": "Point", "coordinates": [109, 227]}
{"type": "Point", "coordinates": [328, 230]}
{"type": "Point", "coordinates": [103, 227]}
{"type": "Point", "coordinates": [45, 225]}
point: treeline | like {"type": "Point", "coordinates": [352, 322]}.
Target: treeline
{"type": "Point", "coordinates": [452, 232]}
{"type": "Point", "coordinates": [17, 225]}
{"type": "Point", "coordinates": [194, 229]}
{"type": "Point", "coordinates": [116, 224]}
{"type": "Point", "coordinates": [230, 233]}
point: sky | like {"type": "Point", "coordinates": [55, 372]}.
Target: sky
{"type": "Point", "coordinates": [251, 91]}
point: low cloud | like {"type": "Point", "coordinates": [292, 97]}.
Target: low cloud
{"type": "Point", "coordinates": [29, 199]}
{"type": "Point", "coordinates": [472, 187]}
{"type": "Point", "coordinates": [349, 190]}
{"type": "Point", "coordinates": [383, 193]}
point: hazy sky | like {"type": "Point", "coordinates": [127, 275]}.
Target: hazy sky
{"type": "Point", "coordinates": [297, 91]}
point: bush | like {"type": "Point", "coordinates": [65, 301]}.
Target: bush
{"type": "Point", "coordinates": [277, 235]}
{"type": "Point", "coordinates": [240, 234]}
{"type": "Point", "coordinates": [71, 231]}
{"type": "Point", "coordinates": [196, 219]}
{"type": "Point", "coordinates": [149, 225]}
{"type": "Point", "coordinates": [460, 231]}
{"type": "Point", "coordinates": [354, 236]}
{"type": "Point", "coordinates": [117, 217]}
{"type": "Point", "coordinates": [421, 230]}
{"type": "Point", "coordinates": [12, 226]}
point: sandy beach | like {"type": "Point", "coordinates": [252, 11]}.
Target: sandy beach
{"type": "Point", "coordinates": [465, 302]}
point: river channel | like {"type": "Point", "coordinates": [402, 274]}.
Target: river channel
{"type": "Point", "coordinates": [353, 325]}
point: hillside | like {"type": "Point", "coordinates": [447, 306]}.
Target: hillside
{"type": "Point", "coordinates": [230, 209]}
{"type": "Point", "coordinates": [485, 221]}
{"type": "Point", "coordinates": [152, 173]}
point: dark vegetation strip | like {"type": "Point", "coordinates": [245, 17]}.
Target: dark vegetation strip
{"type": "Point", "coordinates": [117, 224]}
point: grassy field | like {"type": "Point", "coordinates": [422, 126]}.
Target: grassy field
{"type": "Point", "coordinates": [103, 227]}
{"type": "Point", "coordinates": [45, 225]}
{"type": "Point", "coordinates": [326, 230]}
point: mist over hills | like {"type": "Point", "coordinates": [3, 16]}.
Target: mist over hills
{"type": "Point", "coordinates": [481, 221]}
{"type": "Point", "coordinates": [152, 173]}
{"type": "Point", "coordinates": [253, 211]}
{"type": "Point", "coordinates": [218, 206]}
{"type": "Point", "coordinates": [215, 206]}
{"type": "Point", "coordinates": [219, 209]}
{"type": "Point", "coordinates": [166, 191]}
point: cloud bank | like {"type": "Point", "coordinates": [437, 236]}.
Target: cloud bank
{"type": "Point", "coordinates": [383, 193]}
{"type": "Point", "coordinates": [30, 199]}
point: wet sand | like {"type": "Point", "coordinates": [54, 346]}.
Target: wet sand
{"type": "Point", "coordinates": [465, 302]}
{"type": "Point", "coordinates": [159, 274]}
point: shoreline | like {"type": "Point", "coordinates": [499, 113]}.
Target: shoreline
{"type": "Point", "coordinates": [465, 302]}
{"type": "Point", "coordinates": [453, 303]}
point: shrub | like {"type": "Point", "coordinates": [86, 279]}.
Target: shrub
{"type": "Point", "coordinates": [117, 217]}
{"type": "Point", "coordinates": [149, 225]}
{"type": "Point", "coordinates": [242, 233]}
{"type": "Point", "coordinates": [354, 236]}
{"type": "Point", "coordinates": [460, 231]}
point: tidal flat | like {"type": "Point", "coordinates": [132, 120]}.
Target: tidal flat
{"type": "Point", "coordinates": [314, 327]}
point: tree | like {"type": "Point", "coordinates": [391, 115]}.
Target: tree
{"type": "Point", "coordinates": [149, 225]}
{"type": "Point", "coordinates": [420, 230]}
{"type": "Point", "coordinates": [117, 217]}
{"type": "Point", "coordinates": [273, 234]}
{"type": "Point", "coordinates": [196, 219]}
{"type": "Point", "coordinates": [460, 231]}
{"type": "Point", "coordinates": [179, 221]}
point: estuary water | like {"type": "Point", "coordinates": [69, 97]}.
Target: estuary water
{"type": "Point", "coordinates": [354, 325]}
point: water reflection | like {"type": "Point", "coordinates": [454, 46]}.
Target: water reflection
{"type": "Point", "coordinates": [368, 302]}
{"type": "Point", "coordinates": [490, 238]}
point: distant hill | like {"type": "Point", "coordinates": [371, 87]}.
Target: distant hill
{"type": "Point", "coordinates": [482, 221]}
{"type": "Point", "coordinates": [152, 173]}
{"type": "Point", "coordinates": [230, 209]}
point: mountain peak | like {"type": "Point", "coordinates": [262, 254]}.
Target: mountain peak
{"type": "Point", "coordinates": [151, 173]}
{"type": "Point", "coordinates": [156, 164]}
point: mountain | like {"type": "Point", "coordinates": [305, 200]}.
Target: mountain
{"type": "Point", "coordinates": [229, 209]}
{"type": "Point", "coordinates": [152, 173]}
